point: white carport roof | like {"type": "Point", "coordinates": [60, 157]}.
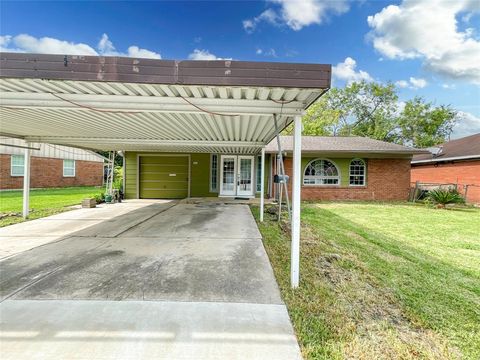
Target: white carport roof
{"type": "Point", "coordinates": [112, 103]}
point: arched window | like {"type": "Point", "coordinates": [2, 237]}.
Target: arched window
{"type": "Point", "coordinates": [357, 172]}
{"type": "Point", "coordinates": [321, 172]}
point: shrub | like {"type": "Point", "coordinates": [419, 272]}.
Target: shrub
{"type": "Point", "coordinates": [99, 198]}
{"type": "Point", "coordinates": [118, 178]}
{"type": "Point", "coordinates": [442, 197]}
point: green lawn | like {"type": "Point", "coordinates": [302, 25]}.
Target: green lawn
{"type": "Point", "coordinates": [382, 281]}
{"type": "Point", "coordinates": [43, 202]}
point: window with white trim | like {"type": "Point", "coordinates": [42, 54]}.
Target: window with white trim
{"type": "Point", "coordinates": [17, 165]}
{"type": "Point", "coordinates": [213, 173]}
{"type": "Point", "coordinates": [321, 172]}
{"type": "Point", "coordinates": [68, 168]}
{"type": "Point", "coordinates": [357, 172]}
{"type": "Point", "coordinates": [259, 173]}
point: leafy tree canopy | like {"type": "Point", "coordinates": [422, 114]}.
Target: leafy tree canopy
{"type": "Point", "coordinates": [371, 109]}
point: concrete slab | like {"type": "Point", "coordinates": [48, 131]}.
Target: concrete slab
{"type": "Point", "coordinates": [210, 220]}
{"type": "Point", "coordinates": [143, 269]}
{"type": "Point", "coordinates": [194, 280]}
{"type": "Point", "coordinates": [27, 235]}
{"type": "Point", "coordinates": [145, 330]}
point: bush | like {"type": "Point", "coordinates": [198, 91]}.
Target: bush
{"type": "Point", "coordinates": [99, 198]}
{"type": "Point", "coordinates": [443, 197]}
{"type": "Point", "coordinates": [118, 178]}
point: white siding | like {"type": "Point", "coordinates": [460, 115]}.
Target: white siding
{"type": "Point", "coordinates": [48, 150]}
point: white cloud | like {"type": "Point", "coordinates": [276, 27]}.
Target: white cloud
{"type": "Point", "coordinates": [47, 45]}
{"type": "Point", "coordinates": [136, 52]}
{"type": "Point", "coordinates": [428, 30]}
{"type": "Point", "coordinates": [297, 14]}
{"type": "Point", "coordinates": [448, 86]}
{"type": "Point", "coordinates": [418, 83]}
{"type": "Point", "coordinates": [266, 52]}
{"type": "Point", "coordinates": [198, 54]}
{"type": "Point", "coordinates": [346, 71]}
{"type": "Point", "coordinates": [106, 48]}
{"type": "Point", "coordinates": [402, 84]}
{"type": "Point", "coordinates": [412, 83]}
{"type": "Point", "coordinates": [269, 16]}
{"type": "Point", "coordinates": [468, 124]}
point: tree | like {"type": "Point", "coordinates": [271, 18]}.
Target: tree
{"type": "Point", "coordinates": [324, 117]}
{"type": "Point", "coordinates": [422, 125]}
{"type": "Point", "coordinates": [372, 110]}
{"type": "Point", "coordinates": [363, 109]}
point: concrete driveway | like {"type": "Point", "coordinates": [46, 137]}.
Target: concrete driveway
{"type": "Point", "coordinates": [159, 280]}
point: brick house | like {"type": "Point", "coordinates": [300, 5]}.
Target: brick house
{"type": "Point", "coordinates": [51, 166]}
{"type": "Point", "coordinates": [346, 168]}
{"type": "Point", "coordinates": [334, 168]}
{"type": "Point", "coordinates": [454, 162]}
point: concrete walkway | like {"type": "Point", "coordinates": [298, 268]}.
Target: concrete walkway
{"type": "Point", "coordinates": [24, 236]}
{"type": "Point", "coordinates": [160, 280]}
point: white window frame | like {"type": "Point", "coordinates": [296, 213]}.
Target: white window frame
{"type": "Point", "coordinates": [338, 177]}
{"type": "Point", "coordinates": [212, 190]}
{"type": "Point", "coordinates": [17, 166]}
{"type": "Point", "coordinates": [364, 173]}
{"type": "Point", "coordinates": [74, 168]}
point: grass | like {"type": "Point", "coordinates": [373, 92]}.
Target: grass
{"type": "Point", "coordinates": [43, 202]}
{"type": "Point", "coordinates": [382, 281]}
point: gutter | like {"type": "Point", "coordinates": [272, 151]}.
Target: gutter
{"type": "Point", "coordinates": [340, 152]}
{"type": "Point", "coordinates": [453, 158]}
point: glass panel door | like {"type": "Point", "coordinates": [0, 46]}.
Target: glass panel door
{"type": "Point", "coordinates": [245, 175]}
{"type": "Point", "coordinates": [228, 175]}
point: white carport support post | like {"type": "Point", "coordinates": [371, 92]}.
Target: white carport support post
{"type": "Point", "coordinates": [26, 181]}
{"type": "Point", "coordinates": [262, 184]}
{"type": "Point", "coordinates": [296, 197]}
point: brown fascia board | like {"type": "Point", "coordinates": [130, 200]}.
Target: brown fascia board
{"type": "Point", "coordinates": [152, 71]}
{"type": "Point", "coordinates": [352, 152]}
{"type": "Point", "coordinates": [363, 155]}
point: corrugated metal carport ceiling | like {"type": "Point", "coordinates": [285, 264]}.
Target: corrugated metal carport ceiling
{"type": "Point", "coordinates": [56, 99]}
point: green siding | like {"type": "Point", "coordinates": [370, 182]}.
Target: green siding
{"type": "Point", "coordinates": [342, 164]}
{"type": "Point", "coordinates": [199, 170]}
{"type": "Point", "coordinates": [267, 174]}
{"type": "Point", "coordinates": [200, 173]}
{"type": "Point", "coordinates": [131, 175]}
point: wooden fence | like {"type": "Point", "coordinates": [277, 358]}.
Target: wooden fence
{"type": "Point", "coordinates": [418, 190]}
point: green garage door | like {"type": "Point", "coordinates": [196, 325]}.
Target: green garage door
{"type": "Point", "coordinates": [163, 177]}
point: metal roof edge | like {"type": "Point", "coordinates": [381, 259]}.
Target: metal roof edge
{"type": "Point", "coordinates": [160, 71]}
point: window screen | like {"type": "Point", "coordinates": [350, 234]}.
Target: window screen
{"type": "Point", "coordinates": [68, 168]}
{"type": "Point", "coordinates": [17, 165]}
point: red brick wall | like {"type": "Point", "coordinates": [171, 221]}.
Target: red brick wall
{"type": "Point", "coordinates": [48, 172]}
{"type": "Point", "coordinates": [387, 179]}
{"type": "Point", "coordinates": [461, 173]}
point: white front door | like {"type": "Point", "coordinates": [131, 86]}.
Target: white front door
{"type": "Point", "coordinates": [236, 175]}
{"type": "Point", "coordinates": [228, 175]}
{"type": "Point", "coordinates": [245, 176]}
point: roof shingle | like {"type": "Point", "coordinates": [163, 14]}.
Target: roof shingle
{"type": "Point", "coordinates": [341, 144]}
{"type": "Point", "coordinates": [468, 146]}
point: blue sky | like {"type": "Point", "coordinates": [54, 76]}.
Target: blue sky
{"type": "Point", "coordinates": [429, 48]}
